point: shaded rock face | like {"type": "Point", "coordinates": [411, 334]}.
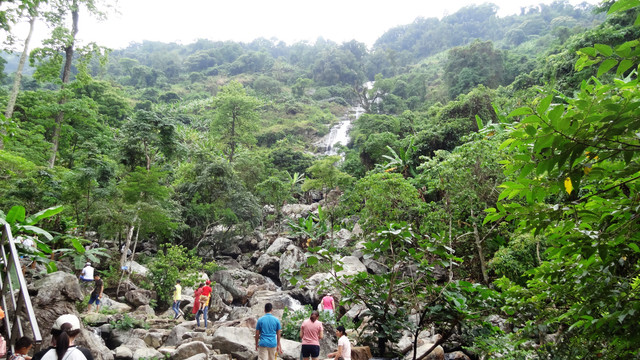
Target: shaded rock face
{"type": "Point", "coordinates": [55, 294]}
{"type": "Point", "coordinates": [289, 264]}
{"type": "Point", "coordinates": [139, 297]}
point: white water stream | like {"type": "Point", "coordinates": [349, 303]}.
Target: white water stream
{"type": "Point", "coordinates": [339, 133]}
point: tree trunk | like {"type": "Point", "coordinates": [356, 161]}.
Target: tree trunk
{"type": "Point", "coordinates": [66, 74]}
{"type": "Point", "coordinates": [483, 263]}
{"type": "Point", "coordinates": [16, 82]}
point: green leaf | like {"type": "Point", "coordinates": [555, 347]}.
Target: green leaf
{"type": "Point", "coordinates": [51, 267]}
{"type": "Point", "coordinates": [623, 5]}
{"type": "Point", "coordinates": [521, 111]}
{"type": "Point", "coordinates": [544, 104]}
{"type": "Point", "coordinates": [603, 49]}
{"type": "Point", "coordinates": [606, 66]}
{"type": "Point", "coordinates": [588, 51]}
{"type": "Point", "coordinates": [37, 230]}
{"type": "Point", "coordinates": [312, 260]}
{"type": "Point", "coordinates": [16, 214]}
{"type": "Point", "coordinates": [77, 245]}
{"type": "Point", "coordinates": [634, 247]}
{"type": "Point", "coordinates": [46, 213]}
{"type": "Point", "coordinates": [624, 66]}
{"type": "Point", "coordinates": [479, 123]}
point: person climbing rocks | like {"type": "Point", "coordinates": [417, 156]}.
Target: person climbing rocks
{"type": "Point", "coordinates": [204, 311]}
{"type": "Point", "coordinates": [177, 297]}
{"type": "Point", "coordinates": [87, 273]}
{"type": "Point", "coordinates": [311, 332]}
{"type": "Point", "coordinates": [196, 300]}
{"type": "Point", "coordinates": [267, 337]}
{"type": "Point", "coordinates": [206, 293]}
{"type": "Point", "coordinates": [96, 294]}
{"type": "Point", "coordinates": [328, 303]}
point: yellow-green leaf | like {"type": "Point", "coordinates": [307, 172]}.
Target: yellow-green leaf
{"type": "Point", "coordinates": [603, 49]}
{"type": "Point", "coordinates": [568, 185]}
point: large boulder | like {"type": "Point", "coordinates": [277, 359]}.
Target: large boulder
{"type": "Point", "coordinates": [139, 297]}
{"type": "Point", "coordinates": [269, 265]}
{"type": "Point", "coordinates": [190, 349]}
{"type": "Point", "coordinates": [108, 303]}
{"type": "Point", "coordinates": [341, 239]}
{"type": "Point", "coordinates": [278, 246]}
{"type": "Point", "coordinates": [136, 268]}
{"type": "Point", "coordinates": [123, 353]}
{"type": "Point", "coordinates": [351, 265]}
{"type": "Point", "coordinates": [236, 282]}
{"type": "Point", "coordinates": [175, 336]}
{"type": "Point", "coordinates": [55, 294]}
{"type": "Point", "coordinates": [146, 353]}
{"type": "Point", "coordinates": [94, 343]}
{"type": "Point", "coordinates": [236, 341]}
{"type": "Point", "coordinates": [289, 264]}
{"type": "Point", "coordinates": [279, 300]}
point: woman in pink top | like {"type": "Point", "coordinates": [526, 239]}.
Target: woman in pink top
{"type": "Point", "coordinates": [328, 304]}
{"type": "Point", "coordinates": [311, 333]}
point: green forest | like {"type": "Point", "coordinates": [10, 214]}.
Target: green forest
{"type": "Point", "coordinates": [495, 170]}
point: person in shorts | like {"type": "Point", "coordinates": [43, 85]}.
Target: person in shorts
{"type": "Point", "coordinates": [311, 332]}
{"type": "Point", "coordinates": [96, 294]}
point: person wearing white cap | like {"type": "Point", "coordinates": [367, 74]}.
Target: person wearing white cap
{"type": "Point", "coordinates": [64, 332]}
{"type": "Point", "coordinates": [87, 272]}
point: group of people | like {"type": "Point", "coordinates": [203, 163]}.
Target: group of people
{"type": "Point", "coordinates": [201, 302]}
{"type": "Point", "coordinates": [269, 330]}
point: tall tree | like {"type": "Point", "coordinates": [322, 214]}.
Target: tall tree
{"type": "Point", "coordinates": [62, 40]}
{"type": "Point", "coordinates": [236, 117]}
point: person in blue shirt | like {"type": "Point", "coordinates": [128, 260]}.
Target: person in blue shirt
{"type": "Point", "coordinates": [267, 336]}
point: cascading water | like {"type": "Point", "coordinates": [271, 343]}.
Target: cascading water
{"type": "Point", "coordinates": [339, 133]}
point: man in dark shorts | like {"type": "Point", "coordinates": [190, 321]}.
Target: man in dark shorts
{"type": "Point", "coordinates": [96, 294]}
{"type": "Point", "coordinates": [311, 333]}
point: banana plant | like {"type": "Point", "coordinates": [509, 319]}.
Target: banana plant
{"type": "Point", "coordinates": [21, 225]}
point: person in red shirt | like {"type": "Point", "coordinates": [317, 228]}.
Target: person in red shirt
{"type": "Point", "coordinates": [205, 297]}
{"type": "Point", "coordinates": [311, 332]}
{"type": "Point", "coordinates": [196, 299]}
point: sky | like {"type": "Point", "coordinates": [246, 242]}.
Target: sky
{"type": "Point", "coordinates": [287, 20]}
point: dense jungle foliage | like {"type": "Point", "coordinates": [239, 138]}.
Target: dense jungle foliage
{"type": "Point", "coordinates": [505, 150]}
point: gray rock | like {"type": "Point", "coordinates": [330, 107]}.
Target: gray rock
{"type": "Point", "coordinates": [153, 339]}
{"type": "Point", "coordinates": [290, 262]}
{"type": "Point", "coordinates": [279, 246]}
{"type": "Point", "coordinates": [136, 268]}
{"type": "Point", "coordinates": [144, 310]}
{"type": "Point", "coordinates": [108, 303]}
{"type": "Point", "coordinates": [375, 267]}
{"type": "Point", "coordinates": [175, 336]}
{"type": "Point", "coordinates": [238, 342]}
{"type": "Point", "coordinates": [269, 265]}
{"type": "Point", "coordinates": [94, 343]}
{"type": "Point", "coordinates": [351, 265]}
{"type": "Point", "coordinates": [95, 319]}
{"type": "Point", "coordinates": [134, 343]}
{"type": "Point", "coordinates": [138, 297]}
{"type": "Point", "coordinates": [457, 355]}
{"type": "Point", "coordinates": [190, 349]}
{"type": "Point", "coordinates": [147, 353]}
{"type": "Point", "coordinates": [55, 294]}
{"type": "Point", "coordinates": [123, 353]}
{"type": "Point", "coordinates": [201, 357]}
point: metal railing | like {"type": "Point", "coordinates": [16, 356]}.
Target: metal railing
{"type": "Point", "coordinates": [14, 287]}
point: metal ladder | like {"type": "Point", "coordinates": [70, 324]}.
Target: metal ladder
{"type": "Point", "coordinates": [12, 281]}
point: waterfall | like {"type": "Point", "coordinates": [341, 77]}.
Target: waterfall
{"type": "Point", "coordinates": [339, 133]}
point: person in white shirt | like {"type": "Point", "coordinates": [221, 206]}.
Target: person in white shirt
{"type": "Point", "coordinates": [344, 346]}
{"type": "Point", "coordinates": [87, 273]}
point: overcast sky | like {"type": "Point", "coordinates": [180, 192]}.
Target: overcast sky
{"type": "Point", "coordinates": [288, 20]}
